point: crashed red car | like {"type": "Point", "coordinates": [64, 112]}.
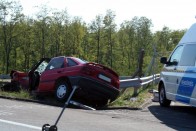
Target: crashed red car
{"type": "Point", "coordinates": [97, 83]}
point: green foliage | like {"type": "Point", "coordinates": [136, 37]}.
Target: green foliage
{"type": "Point", "coordinates": [127, 100]}
{"type": "Point", "coordinates": [25, 40]}
{"type": "Point", "coordinates": [22, 94]}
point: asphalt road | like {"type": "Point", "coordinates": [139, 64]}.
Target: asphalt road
{"type": "Point", "coordinates": [26, 116]}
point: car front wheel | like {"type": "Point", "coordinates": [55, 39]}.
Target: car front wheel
{"type": "Point", "coordinates": [162, 97]}
{"type": "Point", "coordinates": [62, 91]}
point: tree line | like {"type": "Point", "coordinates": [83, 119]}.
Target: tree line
{"type": "Point", "coordinates": [24, 40]}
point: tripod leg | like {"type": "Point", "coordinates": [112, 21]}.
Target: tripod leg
{"type": "Point", "coordinates": [66, 104]}
{"type": "Point", "coordinates": [53, 128]}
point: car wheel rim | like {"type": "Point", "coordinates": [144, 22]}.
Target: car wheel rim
{"type": "Point", "coordinates": [162, 94]}
{"type": "Point", "coordinates": [61, 91]}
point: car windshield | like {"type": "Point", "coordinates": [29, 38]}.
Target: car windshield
{"type": "Point", "coordinates": [41, 68]}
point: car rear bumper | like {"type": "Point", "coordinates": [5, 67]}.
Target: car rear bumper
{"type": "Point", "coordinates": [93, 89]}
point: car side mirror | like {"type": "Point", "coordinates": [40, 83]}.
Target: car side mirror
{"type": "Point", "coordinates": [175, 62]}
{"type": "Point", "coordinates": [163, 60]}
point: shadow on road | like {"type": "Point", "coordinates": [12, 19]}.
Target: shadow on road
{"type": "Point", "coordinates": [181, 118]}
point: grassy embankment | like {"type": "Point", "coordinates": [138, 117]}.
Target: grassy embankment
{"type": "Point", "coordinates": [125, 100]}
{"type": "Point", "coordinates": [22, 94]}
{"type": "Point", "coordinates": [128, 100]}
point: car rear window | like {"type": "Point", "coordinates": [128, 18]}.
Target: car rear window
{"type": "Point", "coordinates": [71, 62]}
{"type": "Point", "coordinates": [81, 61]}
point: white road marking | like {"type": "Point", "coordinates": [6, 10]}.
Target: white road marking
{"type": "Point", "coordinates": [20, 124]}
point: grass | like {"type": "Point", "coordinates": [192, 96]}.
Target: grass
{"type": "Point", "coordinates": [125, 100]}
{"type": "Point", "coordinates": [128, 100]}
{"type": "Point", "coordinates": [22, 94]}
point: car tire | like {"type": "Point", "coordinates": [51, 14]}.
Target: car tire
{"type": "Point", "coordinates": [163, 101]}
{"type": "Point", "coordinates": [62, 90]}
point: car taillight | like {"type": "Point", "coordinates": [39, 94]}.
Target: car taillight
{"type": "Point", "coordinates": [116, 83]}
{"type": "Point", "coordinates": [15, 76]}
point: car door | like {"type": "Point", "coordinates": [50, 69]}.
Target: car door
{"type": "Point", "coordinates": [73, 68]}
{"type": "Point", "coordinates": [186, 91]}
{"type": "Point", "coordinates": [170, 73]}
{"type": "Point", "coordinates": [53, 71]}
{"type": "Point", "coordinates": [36, 71]}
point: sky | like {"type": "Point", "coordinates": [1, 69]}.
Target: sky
{"type": "Point", "coordinates": [175, 14]}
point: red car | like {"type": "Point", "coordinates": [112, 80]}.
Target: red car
{"type": "Point", "coordinates": [97, 83]}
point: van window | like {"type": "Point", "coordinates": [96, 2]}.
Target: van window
{"type": "Point", "coordinates": [189, 55]}
{"type": "Point", "coordinates": [175, 57]}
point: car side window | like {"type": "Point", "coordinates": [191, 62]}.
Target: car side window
{"type": "Point", "coordinates": [175, 57]}
{"type": "Point", "coordinates": [71, 62]}
{"type": "Point", "coordinates": [188, 56]}
{"type": "Point", "coordinates": [55, 63]}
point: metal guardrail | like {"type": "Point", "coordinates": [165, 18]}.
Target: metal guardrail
{"type": "Point", "coordinates": [138, 82]}
{"type": "Point", "coordinates": [125, 77]}
{"type": "Point", "coordinates": [2, 76]}
{"type": "Point", "coordinates": [4, 79]}
{"type": "Point", "coordinates": [126, 83]}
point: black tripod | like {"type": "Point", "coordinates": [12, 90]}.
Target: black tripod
{"type": "Point", "coordinates": [47, 127]}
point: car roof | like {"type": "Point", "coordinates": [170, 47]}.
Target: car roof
{"type": "Point", "coordinates": [71, 57]}
{"type": "Point", "coordinates": [189, 36]}
{"type": "Point", "coordinates": [66, 56]}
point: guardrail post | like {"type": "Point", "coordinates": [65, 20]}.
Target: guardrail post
{"type": "Point", "coordinates": [139, 70]}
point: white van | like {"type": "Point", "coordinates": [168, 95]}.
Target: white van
{"type": "Point", "coordinates": [178, 77]}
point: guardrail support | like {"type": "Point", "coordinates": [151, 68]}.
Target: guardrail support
{"type": "Point", "coordinates": [141, 56]}
{"type": "Point", "coordinates": [127, 82]}
{"type": "Point", "coordinates": [138, 72]}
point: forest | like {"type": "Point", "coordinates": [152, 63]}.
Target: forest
{"type": "Point", "coordinates": [24, 40]}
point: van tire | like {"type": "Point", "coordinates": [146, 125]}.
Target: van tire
{"type": "Point", "coordinates": [163, 101]}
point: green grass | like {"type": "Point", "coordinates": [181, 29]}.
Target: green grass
{"type": "Point", "coordinates": [125, 100]}
{"type": "Point", "coordinates": [128, 100]}
{"type": "Point", "coordinates": [22, 94]}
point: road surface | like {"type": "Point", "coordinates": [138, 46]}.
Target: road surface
{"type": "Point", "coordinates": [26, 116]}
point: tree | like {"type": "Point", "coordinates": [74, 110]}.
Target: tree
{"type": "Point", "coordinates": [77, 35]}
{"type": "Point", "coordinates": [127, 40]}
{"type": "Point", "coordinates": [24, 40]}
{"type": "Point", "coordinates": [57, 32]}
{"type": "Point", "coordinates": [96, 28]}
{"type": "Point", "coordinates": [110, 27]}
{"type": "Point", "coordinates": [10, 15]}
{"type": "Point", "coordinates": [41, 32]}
{"type": "Point", "coordinates": [26, 45]}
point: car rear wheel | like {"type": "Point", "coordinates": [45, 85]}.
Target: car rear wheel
{"type": "Point", "coordinates": [162, 97]}
{"type": "Point", "coordinates": [62, 91]}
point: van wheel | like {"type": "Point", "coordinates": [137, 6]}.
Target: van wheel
{"type": "Point", "coordinates": [62, 91]}
{"type": "Point", "coordinates": [164, 102]}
